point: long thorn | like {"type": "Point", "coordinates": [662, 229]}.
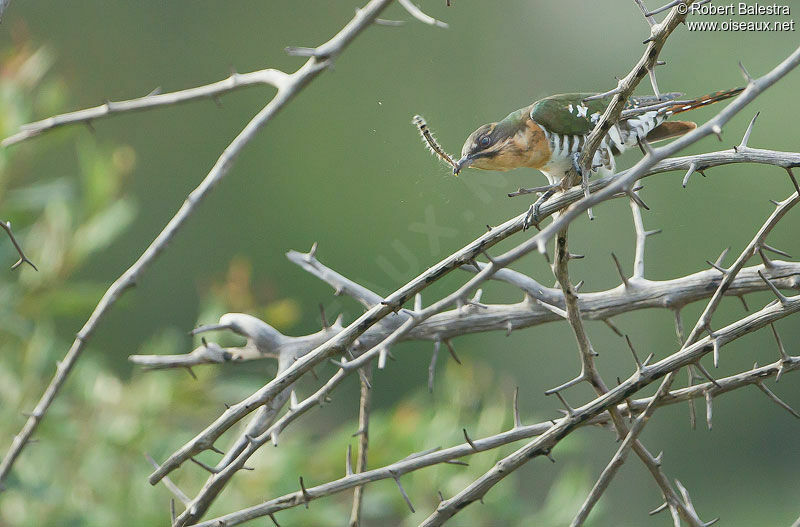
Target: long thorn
{"type": "Point", "coordinates": [794, 179]}
{"type": "Point", "coordinates": [611, 325]}
{"type": "Point", "coordinates": [777, 399]}
{"type": "Point", "coordinates": [619, 269]}
{"type": "Point", "coordinates": [467, 438]}
{"type": "Point", "coordinates": [452, 350]}
{"type": "Point", "coordinates": [403, 492]}
{"type": "Point", "coordinates": [781, 297]}
{"type": "Point", "coordinates": [747, 132]}
{"type": "Point", "coordinates": [22, 258]}
{"type": "Point", "coordinates": [432, 367]}
{"type": "Point", "coordinates": [571, 382]}
{"type": "Point", "coordinates": [633, 352]}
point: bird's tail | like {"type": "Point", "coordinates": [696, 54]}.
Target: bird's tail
{"type": "Point", "coordinates": [704, 100]}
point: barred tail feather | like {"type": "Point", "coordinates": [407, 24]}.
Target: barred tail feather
{"type": "Point", "coordinates": [711, 98]}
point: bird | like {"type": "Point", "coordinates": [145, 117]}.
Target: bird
{"type": "Point", "coordinates": [549, 134]}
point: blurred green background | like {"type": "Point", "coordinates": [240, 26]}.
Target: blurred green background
{"type": "Point", "coordinates": [342, 165]}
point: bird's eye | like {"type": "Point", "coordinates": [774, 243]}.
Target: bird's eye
{"type": "Point", "coordinates": [484, 141]}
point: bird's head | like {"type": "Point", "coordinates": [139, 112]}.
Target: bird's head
{"type": "Point", "coordinates": [492, 147]}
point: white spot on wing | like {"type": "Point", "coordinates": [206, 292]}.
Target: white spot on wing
{"type": "Point", "coordinates": [582, 110]}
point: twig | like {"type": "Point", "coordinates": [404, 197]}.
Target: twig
{"type": "Point", "coordinates": [417, 13]}
{"type": "Point", "coordinates": [270, 77]}
{"type": "Point", "coordinates": [395, 301]}
{"type": "Point", "coordinates": [419, 461]}
{"type": "Point", "coordinates": [288, 87]}
{"type": "Point", "coordinates": [622, 452]}
{"type": "Point", "coordinates": [173, 488]}
{"type": "Point", "coordinates": [22, 258]}
{"type": "Point", "coordinates": [545, 442]}
{"type": "Point", "coordinates": [627, 85]}
{"type": "Point", "coordinates": [730, 274]}
{"type": "Point", "coordinates": [590, 373]}
{"type": "Point", "coordinates": [363, 444]}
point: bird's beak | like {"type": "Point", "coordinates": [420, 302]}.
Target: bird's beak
{"type": "Point", "coordinates": [461, 164]}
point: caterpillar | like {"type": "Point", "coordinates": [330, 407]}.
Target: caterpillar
{"type": "Point", "coordinates": [431, 142]}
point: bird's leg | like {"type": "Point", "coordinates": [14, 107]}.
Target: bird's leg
{"type": "Point", "coordinates": [532, 216]}
{"type": "Point", "coordinates": [584, 174]}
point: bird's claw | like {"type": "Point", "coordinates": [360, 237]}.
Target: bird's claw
{"type": "Point", "coordinates": [531, 217]}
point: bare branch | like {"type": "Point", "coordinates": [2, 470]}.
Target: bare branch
{"type": "Point", "coordinates": [647, 16]}
{"type": "Point", "coordinates": [173, 488]}
{"type": "Point", "coordinates": [561, 428]}
{"type": "Point", "coordinates": [22, 258]}
{"type": "Point", "coordinates": [235, 81]}
{"type": "Point", "coordinates": [340, 284]}
{"type": "Point", "coordinates": [363, 444]}
{"type": "Point", "coordinates": [421, 460]}
{"type": "Point", "coordinates": [417, 13]}
{"type": "Point", "coordinates": [622, 452]}
{"type": "Point", "coordinates": [290, 86]}
{"type": "Point", "coordinates": [670, 5]}
{"type": "Point", "coordinates": [626, 86]}
{"type": "Point", "coordinates": [776, 399]}
{"type": "Point", "coordinates": [730, 274]}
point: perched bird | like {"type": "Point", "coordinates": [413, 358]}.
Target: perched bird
{"type": "Point", "coordinates": [549, 134]}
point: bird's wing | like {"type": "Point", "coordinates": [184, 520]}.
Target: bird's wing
{"type": "Point", "coordinates": [569, 114]}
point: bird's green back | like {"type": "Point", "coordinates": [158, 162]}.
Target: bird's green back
{"type": "Point", "coordinates": [567, 113]}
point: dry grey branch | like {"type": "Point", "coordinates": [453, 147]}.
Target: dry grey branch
{"type": "Point", "coordinates": [562, 427]}
{"type": "Point", "coordinates": [622, 452]}
{"type": "Point", "coordinates": [395, 301]}
{"type": "Point", "coordinates": [624, 184]}
{"type": "Point", "coordinates": [288, 86]}
{"type": "Point", "coordinates": [387, 322]}
{"type": "Point", "coordinates": [729, 275]}
{"type": "Point", "coordinates": [363, 443]}
{"type": "Point", "coordinates": [659, 33]}
{"type": "Point", "coordinates": [22, 258]}
{"type": "Point", "coordinates": [268, 77]}
{"type": "Point", "coordinates": [421, 460]}
{"type": "Point", "coordinates": [679, 508]}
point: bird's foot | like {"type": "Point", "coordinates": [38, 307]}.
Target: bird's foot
{"type": "Point", "coordinates": [532, 216]}
{"type": "Point", "coordinates": [584, 175]}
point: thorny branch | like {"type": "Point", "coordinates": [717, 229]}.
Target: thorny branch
{"type": "Point", "coordinates": [601, 305]}
{"type": "Point", "coordinates": [421, 460]}
{"type": "Point", "coordinates": [363, 444]}
{"type": "Point", "coordinates": [22, 258]}
{"type": "Point", "coordinates": [589, 372]}
{"type": "Point", "coordinates": [342, 341]}
{"type": "Point", "coordinates": [659, 33]}
{"type": "Point", "coordinates": [288, 86]}
{"type": "Point", "coordinates": [544, 444]}
{"type": "Point", "coordinates": [373, 334]}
